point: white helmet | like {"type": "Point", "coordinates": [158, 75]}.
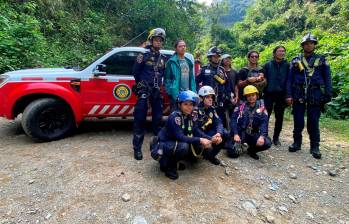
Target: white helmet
{"type": "Point", "coordinates": [224, 56]}
{"type": "Point", "coordinates": [205, 91]}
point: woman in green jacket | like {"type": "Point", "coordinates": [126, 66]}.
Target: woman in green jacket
{"type": "Point", "coordinates": [179, 74]}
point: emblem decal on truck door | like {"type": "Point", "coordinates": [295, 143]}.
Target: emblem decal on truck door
{"type": "Point", "coordinates": [122, 92]}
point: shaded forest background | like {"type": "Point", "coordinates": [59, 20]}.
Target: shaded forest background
{"type": "Point", "coordinates": [47, 33]}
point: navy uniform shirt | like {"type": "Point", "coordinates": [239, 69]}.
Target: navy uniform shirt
{"type": "Point", "coordinates": [208, 120]}
{"type": "Point", "coordinates": [321, 76]}
{"type": "Point", "coordinates": [244, 115]}
{"type": "Point", "coordinates": [146, 64]}
{"type": "Point", "coordinates": [206, 77]}
{"type": "Point", "coordinates": [181, 128]}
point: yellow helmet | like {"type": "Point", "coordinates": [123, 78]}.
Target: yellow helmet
{"type": "Point", "coordinates": [250, 89]}
{"type": "Point", "coordinates": [157, 32]}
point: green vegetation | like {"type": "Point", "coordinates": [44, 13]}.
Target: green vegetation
{"type": "Point", "coordinates": [339, 128]}
{"type": "Point", "coordinates": [60, 33]}
{"type": "Point", "coordinates": [269, 23]}
{"type": "Point", "coordinates": [45, 33]}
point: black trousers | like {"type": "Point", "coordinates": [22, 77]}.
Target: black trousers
{"type": "Point", "coordinates": [276, 102]}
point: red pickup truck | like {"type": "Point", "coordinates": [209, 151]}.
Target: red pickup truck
{"type": "Point", "coordinates": [54, 101]}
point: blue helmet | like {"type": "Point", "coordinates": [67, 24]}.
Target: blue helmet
{"type": "Point", "coordinates": [188, 96]}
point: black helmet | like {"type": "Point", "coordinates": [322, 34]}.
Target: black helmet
{"type": "Point", "coordinates": [309, 37]}
{"type": "Point", "coordinates": [157, 32]}
{"type": "Point", "coordinates": [213, 51]}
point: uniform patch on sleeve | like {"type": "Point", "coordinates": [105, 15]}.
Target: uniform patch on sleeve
{"type": "Point", "coordinates": [178, 121]}
{"type": "Point", "coordinates": [140, 58]}
{"type": "Point", "coordinates": [195, 116]}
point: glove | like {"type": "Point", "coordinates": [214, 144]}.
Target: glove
{"type": "Point", "coordinates": [326, 98]}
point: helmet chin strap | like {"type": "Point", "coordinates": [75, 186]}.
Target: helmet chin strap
{"type": "Point", "coordinates": [157, 49]}
{"type": "Point", "coordinates": [214, 64]}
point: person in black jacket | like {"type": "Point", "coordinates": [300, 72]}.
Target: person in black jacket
{"type": "Point", "coordinates": [275, 92]}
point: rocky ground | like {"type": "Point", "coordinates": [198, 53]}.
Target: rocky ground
{"type": "Point", "coordinates": [92, 177]}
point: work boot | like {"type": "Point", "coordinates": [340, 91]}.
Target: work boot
{"type": "Point", "coordinates": [138, 155]}
{"type": "Point", "coordinates": [181, 166]}
{"type": "Point", "coordinates": [253, 155]}
{"type": "Point", "coordinates": [233, 155]}
{"type": "Point", "coordinates": [294, 147]}
{"type": "Point", "coordinates": [153, 142]}
{"type": "Point", "coordinates": [315, 151]}
{"type": "Point", "coordinates": [276, 141]}
{"type": "Point", "coordinates": [171, 173]}
{"type": "Point", "coordinates": [163, 168]}
{"type": "Point", "coordinates": [214, 161]}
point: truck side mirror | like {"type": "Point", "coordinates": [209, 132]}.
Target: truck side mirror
{"type": "Point", "coordinates": [100, 70]}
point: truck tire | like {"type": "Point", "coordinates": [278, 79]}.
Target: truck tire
{"type": "Point", "coordinates": [48, 119]}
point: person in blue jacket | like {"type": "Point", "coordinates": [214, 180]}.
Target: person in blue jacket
{"type": "Point", "coordinates": [309, 88]}
{"type": "Point", "coordinates": [148, 71]}
{"type": "Point", "coordinates": [249, 125]}
{"type": "Point", "coordinates": [181, 138]}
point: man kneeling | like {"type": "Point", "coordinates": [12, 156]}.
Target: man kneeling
{"type": "Point", "coordinates": [249, 124]}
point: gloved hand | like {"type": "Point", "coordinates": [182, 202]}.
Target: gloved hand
{"type": "Point", "coordinates": [326, 98]}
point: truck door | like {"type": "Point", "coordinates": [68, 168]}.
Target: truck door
{"type": "Point", "coordinates": [111, 95]}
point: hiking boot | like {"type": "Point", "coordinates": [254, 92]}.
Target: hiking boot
{"type": "Point", "coordinates": [172, 174]}
{"type": "Point", "coordinates": [181, 166]}
{"type": "Point", "coordinates": [138, 155]}
{"type": "Point", "coordinates": [315, 152]}
{"type": "Point", "coordinates": [153, 142]}
{"type": "Point", "coordinates": [294, 147]}
{"type": "Point", "coordinates": [276, 142]}
{"type": "Point", "coordinates": [253, 155]}
{"type": "Point", "coordinates": [214, 161]}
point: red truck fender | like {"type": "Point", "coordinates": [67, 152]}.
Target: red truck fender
{"type": "Point", "coordinates": [71, 97]}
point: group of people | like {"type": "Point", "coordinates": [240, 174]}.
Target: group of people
{"type": "Point", "coordinates": [219, 108]}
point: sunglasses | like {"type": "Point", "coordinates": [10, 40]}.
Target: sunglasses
{"type": "Point", "coordinates": [254, 56]}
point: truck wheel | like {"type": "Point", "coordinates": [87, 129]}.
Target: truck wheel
{"type": "Point", "coordinates": [47, 119]}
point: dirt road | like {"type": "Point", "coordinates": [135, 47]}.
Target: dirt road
{"type": "Point", "coordinates": [92, 177]}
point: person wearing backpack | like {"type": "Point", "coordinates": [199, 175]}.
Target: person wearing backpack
{"type": "Point", "coordinates": [249, 125]}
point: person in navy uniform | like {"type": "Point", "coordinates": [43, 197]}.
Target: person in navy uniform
{"type": "Point", "coordinates": [210, 123]}
{"type": "Point", "coordinates": [214, 75]}
{"type": "Point", "coordinates": [249, 125]}
{"type": "Point", "coordinates": [148, 72]}
{"type": "Point", "coordinates": [309, 88]}
{"type": "Point", "coordinates": [181, 138]}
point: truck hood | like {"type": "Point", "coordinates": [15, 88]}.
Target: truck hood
{"type": "Point", "coordinates": [43, 72]}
